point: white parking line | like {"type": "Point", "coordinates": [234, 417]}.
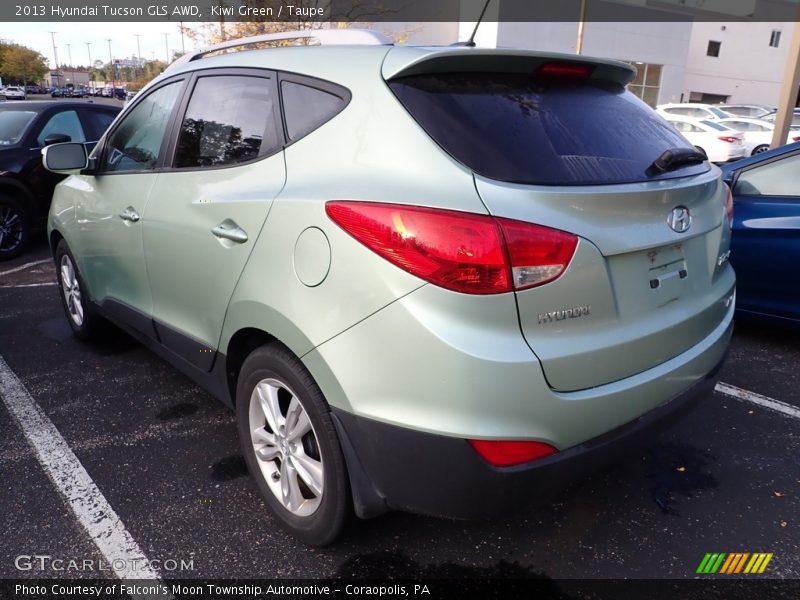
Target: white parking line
{"type": "Point", "coordinates": [772, 404]}
{"type": "Point", "coordinates": [119, 550]}
{"type": "Point", "coordinates": [25, 266]}
{"type": "Point", "coordinates": [24, 285]}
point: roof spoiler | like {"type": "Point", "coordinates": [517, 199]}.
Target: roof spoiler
{"type": "Point", "coordinates": [405, 61]}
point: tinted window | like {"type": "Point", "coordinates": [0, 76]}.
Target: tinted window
{"type": "Point", "coordinates": [306, 108]}
{"type": "Point", "coordinates": [66, 123]}
{"type": "Point", "coordinates": [512, 128]}
{"type": "Point", "coordinates": [777, 178]}
{"type": "Point", "coordinates": [98, 122]}
{"type": "Point", "coordinates": [136, 142]}
{"type": "Point", "coordinates": [684, 112]}
{"type": "Point", "coordinates": [230, 119]}
{"type": "Point", "coordinates": [13, 124]}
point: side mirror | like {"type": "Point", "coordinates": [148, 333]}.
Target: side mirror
{"type": "Point", "coordinates": [67, 159]}
{"type": "Point", "coordinates": [56, 138]}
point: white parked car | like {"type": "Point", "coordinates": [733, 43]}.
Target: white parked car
{"type": "Point", "coordinates": [719, 142]}
{"type": "Point", "coordinates": [693, 110]}
{"type": "Point", "coordinates": [14, 92]}
{"type": "Point", "coordinates": [757, 133]}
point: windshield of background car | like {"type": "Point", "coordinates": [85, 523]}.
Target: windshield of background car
{"type": "Point", "coordinates": [13, 124]}
{"type": "Point", "coordinates": [511, 127]}
{"type": "Point", "coordinates": [719, 112]}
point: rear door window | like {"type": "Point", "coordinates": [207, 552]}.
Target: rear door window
{"type": "Point", "coordinates": [97, 122]}
{"type": "Point", "coordinates": [510, 127]}
{"type": "Point", "coordinates": [230, 119]}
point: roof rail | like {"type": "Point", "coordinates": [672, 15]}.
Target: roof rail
{"type": "Point", "coordinates": [325, 37]}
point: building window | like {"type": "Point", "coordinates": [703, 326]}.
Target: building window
{"type": "Point", "coordinates": [713, 48]}
{"type": "Point", "coordinates": [775, 39]}
{"type": "Point", "coordinates": [647, 82]}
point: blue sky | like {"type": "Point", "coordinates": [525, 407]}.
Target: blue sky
{"type": "Point", "coordinates": [123, 40]}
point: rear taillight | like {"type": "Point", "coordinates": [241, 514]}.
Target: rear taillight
{"type": "Point", "coordinates": [796, 138]}
{"type": "Point", "coordinates": [564, 70]}
{"type": "Point", "coordinates": [502, 453]}
{"type": "Point", "coordinates": [728, 204]}
{"type": "Point", "coordinates": [729, 139]}
{"type": "Point", "coordinates": [464, 252]}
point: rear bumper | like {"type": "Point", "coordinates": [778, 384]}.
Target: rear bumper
{"type": "Point", "coordinates": [394, 467]}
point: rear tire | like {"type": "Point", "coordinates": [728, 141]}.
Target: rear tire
{"type": "Point", "coordinates": [14, 228]}
{"type": "Point", "coordinates": [759, 149]}
{"type": "Point", "coordinates": [290, 445]}
{"type": "Point", "coordinates": [82, 318]}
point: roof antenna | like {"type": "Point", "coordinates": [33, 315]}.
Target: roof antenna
{"type": "Point", "coordinates": [471, 41]}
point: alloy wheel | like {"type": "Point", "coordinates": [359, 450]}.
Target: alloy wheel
{"type": "Point", "coordinates": [71, 290]}
{"type": "Point", "coordinates": [286, 447]}
{"type": "Point", "coordinates": [12, 229]}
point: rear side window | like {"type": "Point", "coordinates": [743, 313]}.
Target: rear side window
{"type": "Point", "coordinates": [230, 119]}
{"type": "Point", "coordinates": [98, 122]}
{"type": "Point", "coordinates": [513, 128]}
{"type": "Point", "coordinates": [306, 108]}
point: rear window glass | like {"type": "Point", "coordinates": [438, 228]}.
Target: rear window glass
{"type": "Point", "coordinates": [512, 128]}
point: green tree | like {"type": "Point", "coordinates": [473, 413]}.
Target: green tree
{"type": "Point", "coordinates": [21, 65]}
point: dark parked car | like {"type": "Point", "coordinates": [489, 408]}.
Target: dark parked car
{"type": "Point", "coordinates": [25, 186]}
{"type": "Point", "coordinates": [765, 251]}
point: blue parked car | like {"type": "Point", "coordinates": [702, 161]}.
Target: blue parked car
{"type": "Point", "coordinates": [765, 251]}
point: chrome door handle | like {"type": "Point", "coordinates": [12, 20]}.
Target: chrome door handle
{"type": "Point", "coordinates": [230, 231]}
{"type": "Point", "coordinates": [129, 214]}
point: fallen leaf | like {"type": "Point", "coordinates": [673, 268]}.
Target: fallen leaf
{"type": "Point", "coordinates": [784, 523]}
{"type": "Point", "coordinates": [681, 469]}
{"type": "Point", "coordinates": [779, 494]}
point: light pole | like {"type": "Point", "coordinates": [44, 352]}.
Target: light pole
{"type": "Point", "coordinates": [55, 54]}
{"type": "Point", "coordinates": [166, 45]}
{"type": "Point", "coordinates": [71, 70]}
{"type": "Point", "coordinates": [89, 50]}
{"type": "Point", "coordinates": [138, 53]}
{"type": "Point", "coordinates": [110, 67]}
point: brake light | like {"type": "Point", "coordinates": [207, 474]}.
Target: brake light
{"type": "Point", "coordinates": [796, 139]}
{"type": "Point", "coordinates": [464, 252]}
{"type": "Point", "coordinates": [729, 139]}
{"type": "Point", "coordinates": [564, 70]}
{"type": "Point", "coordinates": [728, 204]}
{"type": "Point", "coordinates": [502, 453]}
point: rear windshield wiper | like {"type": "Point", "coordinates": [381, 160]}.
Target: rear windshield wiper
{"type": "Point", "coordinates": [675, 158]}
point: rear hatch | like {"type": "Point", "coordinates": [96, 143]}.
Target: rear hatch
{"type": "Point", "coordinates": [559, 142]}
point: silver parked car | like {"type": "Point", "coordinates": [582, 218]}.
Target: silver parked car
{"type": "Point", "coordinates": [434, 279]}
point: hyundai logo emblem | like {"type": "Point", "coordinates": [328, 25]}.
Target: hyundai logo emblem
{"type": "Point", "coordinates": [679, 220]}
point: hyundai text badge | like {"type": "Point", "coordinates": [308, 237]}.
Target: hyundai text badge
{"type": "Point", "coordinates": [679, 220]}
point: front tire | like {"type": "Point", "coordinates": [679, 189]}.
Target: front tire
{"type": "Point", "coordinates": [85, 324]}
{"type": "Point", "coordinates": [759, 149]}
{"type": "Point", "coordinates": [14, 228]}
{"type": "Point", "coordinates": [290, 445]}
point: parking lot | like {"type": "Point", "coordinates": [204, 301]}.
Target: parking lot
{"type": "Point", "coordinates": [165, 457]}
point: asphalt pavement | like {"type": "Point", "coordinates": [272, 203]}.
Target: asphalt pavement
{"type": "Point", "coordinates": [165, 456]}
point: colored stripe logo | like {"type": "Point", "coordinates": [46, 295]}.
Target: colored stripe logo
{"type": "Point", "coordinates": [734, 563]}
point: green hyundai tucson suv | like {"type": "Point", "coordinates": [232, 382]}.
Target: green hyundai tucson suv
{"type": "Point", "coordinates": [436, 279]}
